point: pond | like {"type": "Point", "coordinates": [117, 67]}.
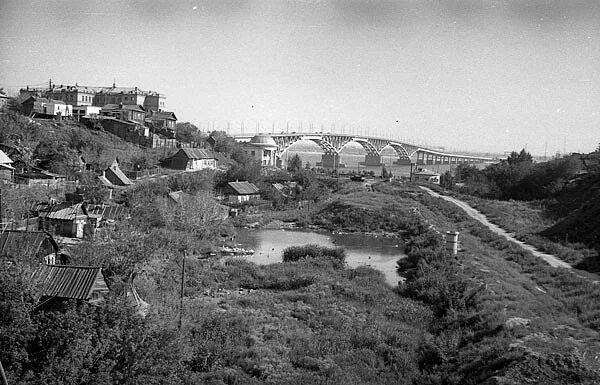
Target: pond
{"type": "Point", "coordinates": [378, 252]}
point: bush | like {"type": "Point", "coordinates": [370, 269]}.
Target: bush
{"type": "Point", "coordinates": [296, 253]}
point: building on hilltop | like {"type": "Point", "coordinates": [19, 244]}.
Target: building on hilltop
{"type": "Point", "coordinates": [162, 121]}
{"type": "Point", "coordinates": [98, 96]}
{"type": "Point", "coordinates": [45, 107]}
{"type": "Point", "coordinates": [128, 112]}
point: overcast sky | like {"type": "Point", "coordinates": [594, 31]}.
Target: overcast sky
{"type": "Point", "coordinates": [493, 75]}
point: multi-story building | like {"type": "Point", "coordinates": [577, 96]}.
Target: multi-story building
{"type": "Point", "coordinates": [98, 96]}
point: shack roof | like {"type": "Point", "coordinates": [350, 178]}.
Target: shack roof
{"type": "Point", "coordinates": [169, 115]}
{"type": "Point", "coordinates": [71, 282]}
{"type": "Point", "coordinates": [17, 242]}
{"type": "Point", "coordinates": [112, 212]}
{"type": "Point", "coordinates": [62, 211]}
{"type": "Point", "coordinates": [244, 188]}
{"type": "Point", "coordinates": [196, 153]}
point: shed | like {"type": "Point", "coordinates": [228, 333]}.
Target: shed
{"type": "Point", "coordinates": [238, 192]}
{"type": "Point", "coordinates": [84, 283]}
{"type": "Point", "coordinates": [192, 159]}
{"type": "Point", "coordinates": [64, 219]}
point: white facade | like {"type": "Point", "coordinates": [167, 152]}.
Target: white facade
{"type": "Point", "coordinates": [52, 108]}
{"type": "Point", "coordinates": [81, 111]}
{"type": "Point", "coordinates": [263, 149]}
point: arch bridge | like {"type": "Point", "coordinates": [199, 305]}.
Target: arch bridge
{"type": "Point", "coordinates": [332, 144]}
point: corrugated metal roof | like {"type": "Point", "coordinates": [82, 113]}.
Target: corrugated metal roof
{"type": "Point", "coordinates": [109, 212]}
{"type": "Point", "coordinates": [64, 210]}
{"type": "Point", "coordinates": [197, 153]}
{"type": "Point", "coordinates": [15, 242]}
{"type": "Point", "coordinates": [66, 281]}
{"type": "Point", "coordinates": [244, 188]}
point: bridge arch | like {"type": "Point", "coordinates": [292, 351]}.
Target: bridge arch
{"type": "Point", "coordinates": [285, 143]}
{"type": "Point", "coordinates": [400, 150]}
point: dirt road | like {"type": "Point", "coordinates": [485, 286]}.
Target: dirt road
{"type": "Point", "coordinates": [551, 259]}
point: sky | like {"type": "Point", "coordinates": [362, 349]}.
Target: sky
{"type": "Point", "coordinates": [471, 75]}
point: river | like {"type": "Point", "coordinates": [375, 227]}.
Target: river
{"type": "Point", "coordinates": [378, 252]}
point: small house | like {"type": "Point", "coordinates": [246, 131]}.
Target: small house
{"type": "Point", "coordinates": [238, 192]}
{"type": "Point", "coordinates": [63, 219]}
{"type": "Point", "coordinates": [191, 159]}
{"type": "Point", "coordinates": [64, 282]}
{"type": "Point", "coordinates": [427, 176]}
{"type": "Point", "coordinates": [164, 120]}
{"type": "Point", "coordinates": [127, 112]}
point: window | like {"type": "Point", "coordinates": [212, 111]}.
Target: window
{"type": "Point", "coordinates": [253, 153]}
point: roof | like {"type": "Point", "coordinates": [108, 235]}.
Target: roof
{"type": "Point", "coordinates": [197, 153]}
{"type": "Point", "coordinates": [244, 188]}
{"type": "Point", "coordinates": [4, 159]}
{"type": "Point", "coordinates": [132, 107]}
{"type": "Point", "coordinates": [114, 167]}
{"type": "Point", "coordinates": [163, 115]}
{"type": "Point", "coordinates": [108, 212]}
{"type": "Point", "coordinates": [66, 281]}
{"type": "Point", "coordinates": [263, 140]}
{"type": "Point", "coordinates": [63, 211]}
{"type": "Point", "coordinates": [426, 172]}
{"type": "Point", "coordinates": [18, 242]}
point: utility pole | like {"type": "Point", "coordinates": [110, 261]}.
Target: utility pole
{"type": "Point", "coordinates": [182, 289]}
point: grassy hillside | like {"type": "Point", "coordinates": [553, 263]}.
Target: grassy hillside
{"type": "Point", "coordinates": [57, 145]}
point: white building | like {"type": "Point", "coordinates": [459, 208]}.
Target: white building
{"type": "Point", "coordinates": [52, 107]}
{"type": "Point", "coordinates": [85, 111]}
{"type": "Point", "coordinates": [262, 148]}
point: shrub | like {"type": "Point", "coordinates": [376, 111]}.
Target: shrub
{"type": "Point", "coordinates": [295, 253]}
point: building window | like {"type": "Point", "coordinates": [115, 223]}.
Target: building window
{"type": "Point", "coordinates": [253, 153]}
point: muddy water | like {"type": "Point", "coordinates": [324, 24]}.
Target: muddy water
{"type": "Point", "coordinates": [378, 252]}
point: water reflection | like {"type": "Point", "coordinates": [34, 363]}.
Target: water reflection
{"type": "Point", "coordinates": [379, 252]}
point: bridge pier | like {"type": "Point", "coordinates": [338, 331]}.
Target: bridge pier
{"type": "Point", "coordinates": [372, 160]}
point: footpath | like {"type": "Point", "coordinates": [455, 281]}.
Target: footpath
{"type": "Point", "coordinates": [549, 258]}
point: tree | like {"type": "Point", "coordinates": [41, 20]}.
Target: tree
{"type": "Point", "coordinates": [294, 164]}
{"type": "Point", "coordinates": [185, 132]}
{"type": "Point", "coordinates": [384, 172]}
{"type": "Point", "coordinates": [521, 157]}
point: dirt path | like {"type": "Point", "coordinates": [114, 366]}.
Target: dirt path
{"type": "Point", "coordinates": [551, 259]}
